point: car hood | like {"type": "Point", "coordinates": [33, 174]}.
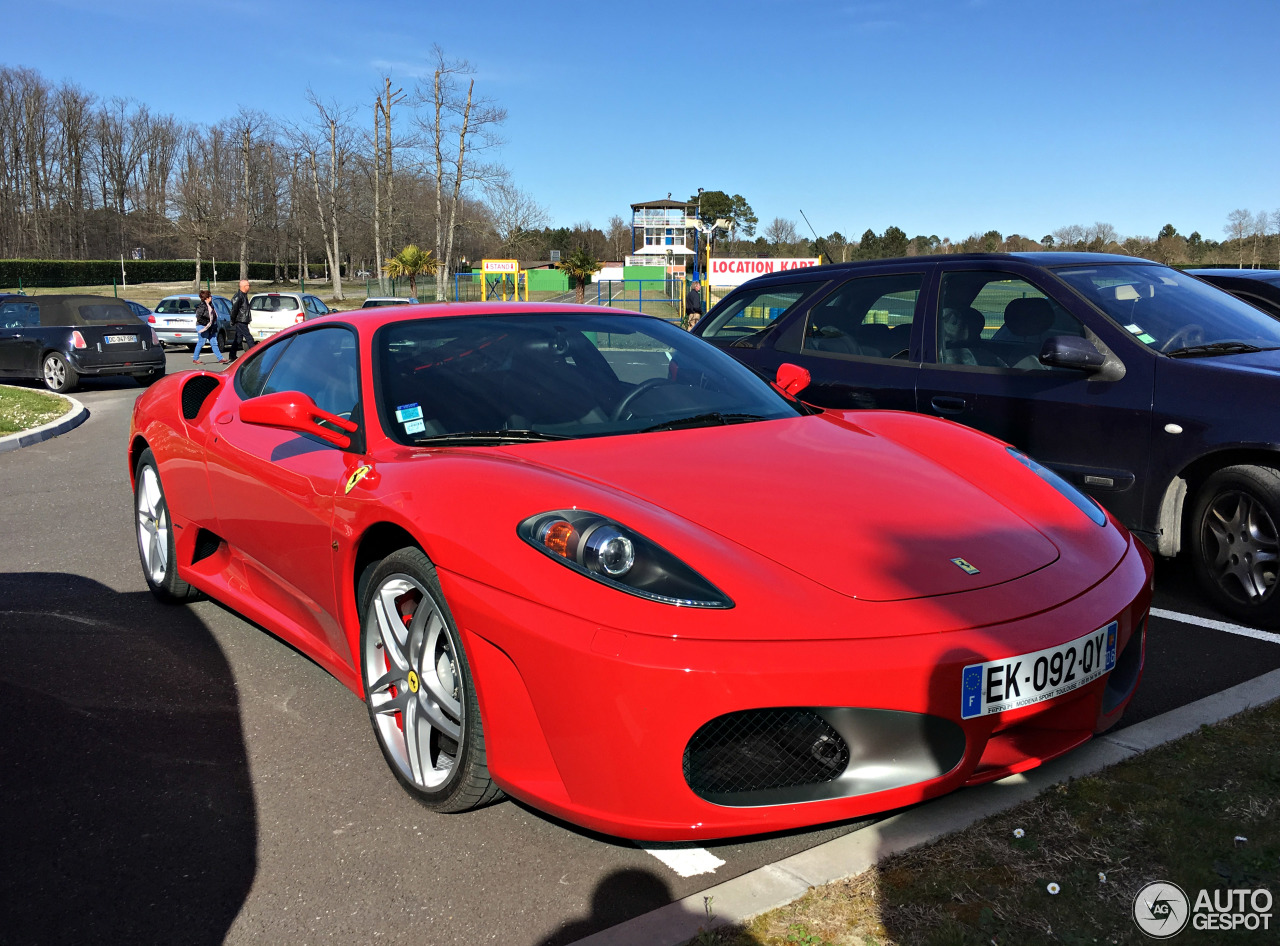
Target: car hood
{"type": "Point", "coordinates": [858, 512]}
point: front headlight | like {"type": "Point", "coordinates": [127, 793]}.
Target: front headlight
{"type": "Point", "coordinates": [1086, 504]}
{"type": "Point", "coordinates": [614, 555]}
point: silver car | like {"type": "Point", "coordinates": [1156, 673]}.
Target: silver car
{"type": "Point", "coordinates": [174, 319]}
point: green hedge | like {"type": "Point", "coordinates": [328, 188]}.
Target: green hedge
{"type": "Point", "coordinates": [52, 273]}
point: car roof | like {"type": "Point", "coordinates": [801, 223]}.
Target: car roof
{"type": "Point", "coordinates": [375, 317]}
{"type": "Point", "coordinates": [69, 297]}
{"type": "Point", "coordinates": [1259, 275]}
{"type": "Point", "coordinates": [1045, 259]}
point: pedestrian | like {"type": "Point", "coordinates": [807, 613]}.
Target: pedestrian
{"type": "Point", "coordinates": [207, 325]}
{"type": "Point", "coordinates": [240, 318]}
{"type": "Point", "coordinates": [693, 305]}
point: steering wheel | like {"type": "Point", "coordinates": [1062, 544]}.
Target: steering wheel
{"type": "Point", "coordinates": [1190, 334]}
{"type": "Point", "coordinates": [620, 411]}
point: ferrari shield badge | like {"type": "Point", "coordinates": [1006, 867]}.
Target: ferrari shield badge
{"type": "Point", "coordinates": [957, 562]}
{"type": "Point", "coordinates": [360, 473]}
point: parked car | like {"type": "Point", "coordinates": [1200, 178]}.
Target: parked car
{"type": "Point", "coordinates": [60, 339]}
{"type": "Point", "coordinates": [273, 311]}
{"type": "Point", "coordinates": [471, 517]}
{"type": "Point", "coordinates": [140, 310]}
{"type": "Point", "coordinates": [1258, 287]}
{"type": "Point", "coordinates": [1129, 379]}
{"type": "Point", "coordinates": [374, 302]}
{"type": "Point", "coordinates": [175, 319]}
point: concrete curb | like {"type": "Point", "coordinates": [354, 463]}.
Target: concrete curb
{"type": "Point", "coordinates": [776, 885]}
{"type": "Point", "coordinates": [68, 421]}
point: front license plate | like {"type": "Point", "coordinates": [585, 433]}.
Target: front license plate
{"type": "Point", "coordinates": [998, 686]}
{"type": "Point", "coordinates": [120, 339]}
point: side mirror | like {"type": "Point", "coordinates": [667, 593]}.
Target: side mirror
{"type": "Point", "coordinates": [791, 379]}
{"type": "Point", "coordinates": [1071, 351]}
{"type": "Point", "coordinates": [293, 410]}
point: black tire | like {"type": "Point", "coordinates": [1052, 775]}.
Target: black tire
{"type": "Point", "coordinates": [458, 777]}
{"type": "Point", "coordinates": [1235, 543]}
{"type": "Point", "coordinates": [57, 373]}
{"type": "Point", "coordinates": [146, 380]}
{"type": "Point", "coordinates": [154, 529]}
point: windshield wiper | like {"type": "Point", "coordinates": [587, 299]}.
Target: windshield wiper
{"type": "Point", "coordinates": [704, 420]}
{"type": "Point", "coordinates": [488, 437]}
{"type": "Point", "coordinates": [1215, 348]}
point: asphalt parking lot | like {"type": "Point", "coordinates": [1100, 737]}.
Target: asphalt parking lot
{"type": "Point", "coordinates": [193, 779]}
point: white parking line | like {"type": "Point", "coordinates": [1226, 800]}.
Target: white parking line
{"type": "Point", "coordinates": [1217, 625]}
{"type": "Point", "coordinates": [685, 861]}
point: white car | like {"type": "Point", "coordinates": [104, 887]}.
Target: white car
{"type": "Point", "coordinates": [174, 318]}
{"type": "Point", "coordinates": [377, 301]}
{"type": "Point", "coordinates": [272, 311]}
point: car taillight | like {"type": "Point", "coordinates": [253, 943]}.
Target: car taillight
{"type": "Point", "coordinates": [298, 318]}
{"type": "Point", "coordinates": [77, 340]}
{"type": "Point", "coordinates": [155, 339]}
{"type": "Point", "coordinates": [151, 319]}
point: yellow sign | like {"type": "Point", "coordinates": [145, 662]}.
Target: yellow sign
{"type": "Point", "coordinates": [501, 278]}
{"type": "Point", "coordinates": [500, 266]}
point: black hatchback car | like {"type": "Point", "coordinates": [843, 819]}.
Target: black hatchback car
{"type": "Point", "coordinates": [1259, 287]}
{"type": "Point", "coordinates": [60, 339]}
{"type": "Point", "coordinates": [1147, 388]}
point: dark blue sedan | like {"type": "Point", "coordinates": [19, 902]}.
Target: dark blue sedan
{"type": "Point", "coordinates": [1148, 388]}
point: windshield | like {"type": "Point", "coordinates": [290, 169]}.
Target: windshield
{"type": "Point", "coordinates": [554, 375]}
{"type": "Point", "coordinates": [1171, 311]}
{"type": "Point", "coordinates": [177, 307]}
{"type": "Point", "coordinates": [274, 303]}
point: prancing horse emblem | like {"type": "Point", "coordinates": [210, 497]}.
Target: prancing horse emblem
{"type": "Point", "coordinates": [964, 566]}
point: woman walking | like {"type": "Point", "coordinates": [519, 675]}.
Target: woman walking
{"type": "Point", "coordinates": [207, 321]}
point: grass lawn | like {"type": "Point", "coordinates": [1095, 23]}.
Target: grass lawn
{"type": "Point", "coordinates": [21, 409]}
{"type": "Point", "coordinates": [1202, 812]}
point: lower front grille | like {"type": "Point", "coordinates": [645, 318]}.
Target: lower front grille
{"type": "Point", "coordinates": [758, 750]}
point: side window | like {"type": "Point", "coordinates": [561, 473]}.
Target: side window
{"type": "Point", "coordinates": [221, 307]}
{"type": "Point", "coordinates": [870, 317]}
{"type": "Point", "coordinates": [752, 312]}
{"type": "Point", "coordinates": [998, 320]}
{"type": "Point", "coordinates": [322, 365]}
{"type": "Point", "coordinates": [19, 314]}
{"type": "Point", "coordinates": [257, 366]}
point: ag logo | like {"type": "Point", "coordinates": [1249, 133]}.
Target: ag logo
{"type": "Point", "coordinates": [1161, 909]}
{"type": "Point", "coordinates": [964, 566]}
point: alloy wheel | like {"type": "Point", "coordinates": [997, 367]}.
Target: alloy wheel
{"type": "Point", "coordinates": [153, 525]}
{"type": "Point", "coordinates": [1241, 546]}
{"type": "Point", "coordinates": [55, 372]}
{"type": "Point", "coordinates": [415, 683]}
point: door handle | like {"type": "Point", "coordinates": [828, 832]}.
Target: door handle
{"type": "Point", "coordinates": [948, 405]}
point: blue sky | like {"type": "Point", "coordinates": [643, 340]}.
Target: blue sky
{"type": "Point", "coordinates": [940, 117]}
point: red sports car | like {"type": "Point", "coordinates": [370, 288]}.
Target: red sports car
{"type": "Point", "coordinates": [586, 559]}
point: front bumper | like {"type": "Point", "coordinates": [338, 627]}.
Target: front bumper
{"type": "Point", "coordinates": [592, 723]}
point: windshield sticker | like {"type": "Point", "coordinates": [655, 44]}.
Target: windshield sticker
{"type": "Point", "coordinates": [408, 412]}
{"type": "Point", "coordinates": [414, 427]}
{"type": "Point", "coordinates": [1142, 336]}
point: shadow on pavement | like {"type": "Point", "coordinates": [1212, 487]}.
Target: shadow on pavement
{"type": "Point", "coordinates": [127, 809]}
{"type": "Point", "coordinates": [620, 895]}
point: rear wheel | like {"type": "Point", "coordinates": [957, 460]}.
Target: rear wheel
{"type": "Point", "coordinates": [58, 374]}
{"type": "Point", "coordinates": [1236, 543]}
{"type": "Point", "coordinates": [155, 534]}
{"type": "Point", "coordinates": [418, 686]}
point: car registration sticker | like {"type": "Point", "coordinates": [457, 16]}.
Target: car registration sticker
{"type": "Point", "coordinates": [120, 339]}
{"type": "Point", "coordinates": [998, 686]}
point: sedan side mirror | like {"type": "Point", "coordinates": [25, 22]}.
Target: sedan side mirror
{"type": "Point", "coordinates": [293, 410]}
{"type": "Point", "coordinates": [1071, 351]}
{"type": "Point", "coordinates": [791, 379]}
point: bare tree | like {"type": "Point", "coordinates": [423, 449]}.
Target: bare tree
{"type": "Point", "coordinates": [195, 193]}
{"type": "Point", "coordinates": [1275, 228]}
{"type": "Point", "coordinates": [515, 216]}
{"type": "Point", "coordinates": [782, 234]}
{"type": "Point", "coordinates": [619, 238]}
{"type": "Point", "coordinates": [475, 122]}
{"type": "Point", "coordinates": [1260, 223]}
{"type": "Point", "coordinates": [1239, 223]}
{"type": "Point", "coordinates": [327, 142]}
{"type": "Point", "coordinates": [383, 171]}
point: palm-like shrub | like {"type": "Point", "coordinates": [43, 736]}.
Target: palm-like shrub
{"type": "Point", "coordinates": [579, 266]}
{"type": "Point", "coordinates": [410, 263]}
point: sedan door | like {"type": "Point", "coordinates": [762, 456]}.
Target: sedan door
{"type": "Point", "coordinates": [20, 339]}
{"type": "Point", "coordinates": [274, 490]}
{"type": "Point", "coordinates": [986, 325]}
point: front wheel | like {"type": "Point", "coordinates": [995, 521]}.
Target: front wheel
{"type": "Point", "coordinates": [1236, 544]}
{"type": "Point", "coordinates": [58, 374]}
{"type": "Point", "coordinates": [155, 534]}
{"type": "Point", "coordinates": [418, 686]}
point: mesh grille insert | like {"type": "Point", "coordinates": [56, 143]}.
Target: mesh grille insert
{"type": "Point", "coordinates": [763, 749]}
{"type": "Point", "coordinates": [194, 393]}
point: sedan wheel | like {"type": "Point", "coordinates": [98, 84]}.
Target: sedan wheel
{"type": "Point", "coordinates": [58, 374]}
{"type": "Point", "coordinates": [155, 534]}
{"type": "Point", "coordinates": [418, 686]}
{"type": "Point", "coordinates": [1236, 542]}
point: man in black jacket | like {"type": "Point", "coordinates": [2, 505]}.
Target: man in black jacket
{"type": "Point", "coordinates": [692, 305]}
{"type": "Point", "coordinates": [240, 317]}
